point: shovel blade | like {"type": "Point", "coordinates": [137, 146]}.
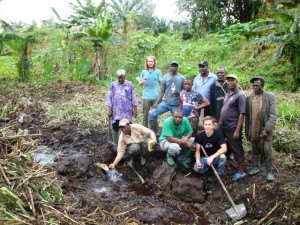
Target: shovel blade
{"type": "Point", "coordinates": [237, 212]}
{"type": "Point", "coordinates": [102, 166]}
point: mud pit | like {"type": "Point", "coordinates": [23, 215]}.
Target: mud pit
{"type": "Point", "coordinates": [170, 195]}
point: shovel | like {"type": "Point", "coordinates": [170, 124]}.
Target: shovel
{"type": "Point", "coordinates": [141, 178]}
{"type": "Point", "coordinates": [236, 212]}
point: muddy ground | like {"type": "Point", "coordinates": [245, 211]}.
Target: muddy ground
{"type": "Point", "coordinates": [170, 195]}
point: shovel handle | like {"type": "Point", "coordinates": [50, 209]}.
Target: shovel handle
{"type": "Point", "coordinates": [219, 179]}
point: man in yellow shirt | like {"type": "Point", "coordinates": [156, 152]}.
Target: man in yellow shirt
{"type": "Point", "coordinates": [134, 138]}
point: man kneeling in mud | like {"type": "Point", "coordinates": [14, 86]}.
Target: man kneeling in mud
{"type": "Point", "coordinates": [176, 138]}
{"type": "Point", "coordinates": [214, 144]}
{"type": "Point", "coordinates": [134, 138]}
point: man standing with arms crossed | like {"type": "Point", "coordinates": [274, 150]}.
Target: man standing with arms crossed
{"type": "Point", "coordinates": [261, 117]}
{"type": "Point", "coordinates": [231, 122]}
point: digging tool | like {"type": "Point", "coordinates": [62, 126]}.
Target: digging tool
{"type": "Point", "coordinates": [236, 212]}
{"type": "Point", "coordinates": [142, 179]}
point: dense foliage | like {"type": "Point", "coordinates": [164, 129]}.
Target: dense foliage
{"type": "Point", "coordinates": [99, 39]}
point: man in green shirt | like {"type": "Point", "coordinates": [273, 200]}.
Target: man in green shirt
{"type": "Point", "coordinates": [176, 138]}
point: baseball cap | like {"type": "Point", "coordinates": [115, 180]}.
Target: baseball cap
{"type": "Point", "coordinates": [257, 78]}
{"type": "Point", "coordinates": [232, 76]}
{"type": "Point", "coordinates": [203, 63]}
{"type": "Point", "coordinates": [174, 63]}
{"type": "Point", "coordinates": [123, 122]}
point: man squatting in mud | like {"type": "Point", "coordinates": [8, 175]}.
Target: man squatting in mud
{"type": "Point", "coordinates": [134, 138]}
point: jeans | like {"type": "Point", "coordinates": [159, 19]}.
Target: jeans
{"type": "Point", "coordinates": [161, 109]}
{"type": "Point", "coordinates": [218, 162]}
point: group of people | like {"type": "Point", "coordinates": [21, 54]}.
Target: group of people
{"type": "Point", "coordinates": [216, 99]}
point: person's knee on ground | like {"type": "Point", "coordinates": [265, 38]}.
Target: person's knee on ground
{"type": "Point", "coordinates": [173, 150]}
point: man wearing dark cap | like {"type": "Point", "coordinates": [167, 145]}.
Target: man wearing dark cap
{"type": "Point", "coordinates": [203, 82]}
{"type": "Point", "coordinates": [261, 115]}
{"type": "Point", "coordinates": [231, 122]}
{"type": "Point", "coordinates": [171, 86]}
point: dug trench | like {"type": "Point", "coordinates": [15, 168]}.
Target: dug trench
{"type": "Point", "coordinates": [170, 195]}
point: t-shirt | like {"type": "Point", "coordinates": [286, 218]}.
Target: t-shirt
{"type": "Point", "coordinates": [169, 129]}
{"type": "Point", "coordinates": [170, 97]}
{"type": "Point", "coordinates": [204, 86]}
{"type": "Point", "coordinates": [234, 104]}
{"type": "Point", "coordinates": [190, 100]}
{"type": "Point", "coordinates": [211, 144]}
{"type": "Point", "coordinates": [151, 86]}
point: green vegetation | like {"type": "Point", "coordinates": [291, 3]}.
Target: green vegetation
{"type": "Point", "coordinates": [97, 40]}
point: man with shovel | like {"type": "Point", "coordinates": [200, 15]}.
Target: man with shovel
{"type": "Point", "coordinates": [261, 115]}
{"type": "Point", "coordinates": [135, 139]}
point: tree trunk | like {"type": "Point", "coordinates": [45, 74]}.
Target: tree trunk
{"type": "Point", "coordinates": [97, 65]}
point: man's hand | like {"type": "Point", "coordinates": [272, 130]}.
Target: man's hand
{"type": "Point", "coordinates": [184, 140]}
{"type": "Point", "coordinates": [134, 112]}
{"type": "Point", "coordinates": [200, 166]}
{"type": "Point", "coordinates": [263, 134]}
{"type": "Point", "coordinates": [189, 145]}
{"type": "Point", "coordinates": [109, 113]}
{"type": "Point", "coordinates": [176, 92]}
{"type": "Point", "coordinates": [236, 135]}
{"type": "Point", "coordinates": [154, 105]}
{"type": "Point", "coordinates": [111, 166]}
{"type": "Point", "coordinates": [209, 160]}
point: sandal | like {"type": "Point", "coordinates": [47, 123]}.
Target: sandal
{"type": "Point", "coordinates": [238, 176]}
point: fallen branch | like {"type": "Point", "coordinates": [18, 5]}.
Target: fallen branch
{"type": "Point", "coordinates": [31, 202]}
{"type": "Point", "coordinates": [269, 213]}
{"type": "Point", "coordinates": [253, 195]}
{"type": "Point", "coordinates": [18, 136]}
{"type": "Point", "coordinates": [120, 214]}
{"type": "Point", "coordinates": [66, 216]}
{"type": "Point", "coordinates": [38, 170]}
{"type": "Point", "coordinates": [4, 175]}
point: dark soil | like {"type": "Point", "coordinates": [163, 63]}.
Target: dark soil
{"type": "Point", "coordinates": [170, 195]}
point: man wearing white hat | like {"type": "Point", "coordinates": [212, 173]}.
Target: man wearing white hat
{"type": "Point", "coordinates": [134, 138]}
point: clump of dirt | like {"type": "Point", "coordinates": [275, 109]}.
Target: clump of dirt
{"type": "Point", "coordinates": [170, 195]}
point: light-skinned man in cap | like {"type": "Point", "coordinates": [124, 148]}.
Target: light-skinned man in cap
{"type": "Point", "coordinates": [171, 86]}
{"type": "Point", "coordinates": [261, 115]}
{"type": "Point", "coordinates": [231, 122]}
{"type": "Point", "coordinates": [134, 138]}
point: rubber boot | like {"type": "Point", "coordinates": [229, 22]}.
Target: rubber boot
{"type": "Point", "coordinates": [269, 174]}
{"type": "Point", "coordinates": [255, 167]}
{"type": "Point", "coordinates": [154, 126]}
{"type": "Point", "coordinates": [184, 158]}
{"type": "Point", "coordinates": [170, 159]}
{"type": "Point", "coordinates": [115, 137]}
{"type": "Point", "coordinates": [144, 152]}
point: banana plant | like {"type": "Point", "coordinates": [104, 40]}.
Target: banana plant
{"type": "Point", "coordinates": [102, 37]}
{"type": "Point", "coordinates": [20, 46]}
{"type": "Point", "coordinates": [284, 29]}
